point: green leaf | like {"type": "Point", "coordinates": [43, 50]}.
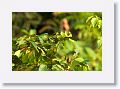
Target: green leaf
{"type": "Point", "coordinates": [35, 46]}
{"type": "Point", "coordinates": [21, 42]}
{"type": "Point", "coordinates": [44, 37]}
{"type": "Point", "coordinates": [43, 53]}
{"type": "Point", "coordinates": [13, 64]}
{"type": "Point", "coordinates": [24, 31]}
{"type": "Point", "coordinates": [43, 67]}
{"type": "Point", "coordinates": [62, 34]}
{"type": "Point", "coordinates": [89, 18]}
{"type": "Point", "coordinates": [79, 59]}
{"type": "Point", "coordinates": [99, 42]}
{"type": "Point", "coordinates": [99, 23]}
{"type": "Point", "coordinates": [94, 22]}
{"type": "Point", "coordinates": [80, 26]}
{"type": "Point", "coordinates": [25, 58]}
{"type": "Point", "coordinates": [73, 64]}
{"type": "Point", "coordinates": [57, 67]}
{"type": "Point", "coordinates": [90, 53]}
{"type": "Point", "coordinates": [31, 59]}
{"type": "Point", "coordinates": [40, 39]}
{"type": "Point", "coordinates": [68, 34]}
{"type": "Point", "coordinates": [32, 32]}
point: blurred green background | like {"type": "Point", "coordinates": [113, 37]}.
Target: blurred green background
{"type": "Point", "coordinates": [38, 20]}
{"type": "Point", "coordinates": [86, 29]}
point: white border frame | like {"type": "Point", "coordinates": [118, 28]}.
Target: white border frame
{"type": "Point", "coordinates": [104, 76]}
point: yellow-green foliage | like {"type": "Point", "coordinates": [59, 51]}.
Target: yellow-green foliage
{"type": "Point", "coordinates": [62, 50]}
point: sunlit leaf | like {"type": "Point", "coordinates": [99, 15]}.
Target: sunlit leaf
{"type": "Point", "coordinates": [89, 18]}
{"type": "Point", "coordinates": [94, 21]}
{"type": "Point", "coordinates": [13, 64]}
{"type": "Point", "coordinates": [99, 23]}
{"type": "Point", "coordinates": [68, 34]}
{"type": "Point", "coordinates": [43, 67]}
{"type": "Point", "coordinates": [32, 32]}
{"type": "Point", "coordinates": [57, 67]}
{"type": "Point", "coordinates": [79, 59]}
{"type": "Point", "coordinates": [18, 53]}
{"type": "Point", "coordinates": [63, 34]}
